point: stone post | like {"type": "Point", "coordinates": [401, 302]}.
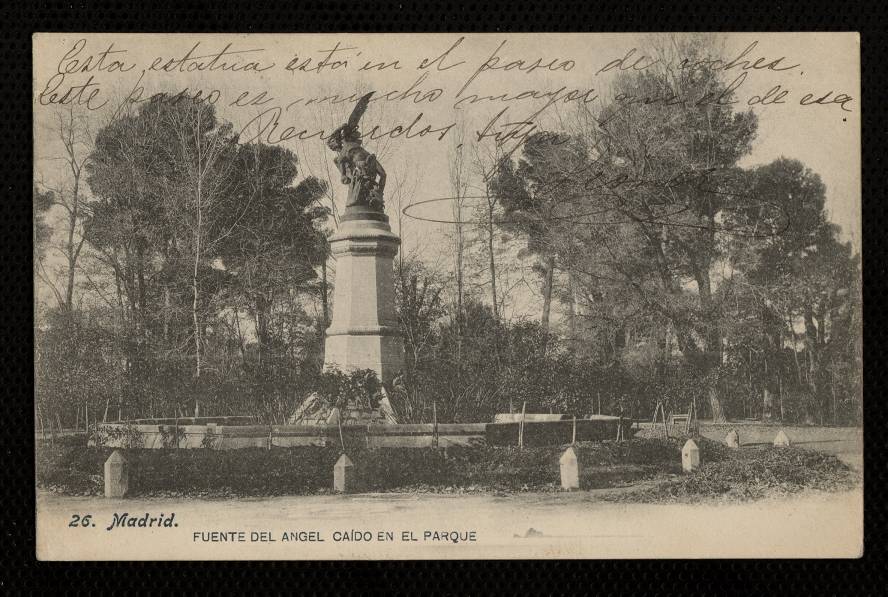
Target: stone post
{"type": "Point", "coordinates": [690, 457]}
{"type": "Point", "coordinates": [364, 333]}
{"type": "Point", "coordinates": [782, 440]}
{"type": "Point", "coordinates": [344, 475]}
{"type": "Point", "coordinates": [570, 469]}
{"type": "Point", "coordinates": [116, 476]}
{"type": "Point", "coordinates": [732, 439]}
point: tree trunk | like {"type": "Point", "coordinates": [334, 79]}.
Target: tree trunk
{"type": "Point", "coordinates": [795, 352]}
{"type": "Point", "coordinates": [73, 215]}
{"type": "Point", "coordinates": [780, 394]}
{"type": "Point", "coordinates": [767, 403]}
{"type": "Point", "coordinates": [835, 406]}
{"type": "Point", "coordinates": [72, 223]}
{"type": "Point", "coordinates": [459, 266]}
{"type": "Point", "coordinates": [166, 313]}
{"type": "Point", "coordinates": [713, 350]}
{"type": "Point", "coordinates": [325, 305]}
{"type": "Point", "coordinates": [665, 353]}
{"type": "Point", "coordinates": [571, 312]}
{"type": "Point", "coordinates": [811, 348]}
{"type": "Point", "coordinates": [490, 253]}
{"type": "Point", "coordinates": [261, 319]}
{"type": "Point", "coordinates": [548, 283]}
{"type": "Point", "coordinates": [718, 415]}
{"type": "Point", "coordinates": [195, 318]}
{"type": "Point", "coordinates": [195, 285]}
{"type": "Point", "coordinates": [142, 288]}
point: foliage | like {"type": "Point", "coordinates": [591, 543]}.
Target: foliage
{"type": "Point", "coordinates": [358, 389]}
{"type": "Point", "coordinates": [43, 201]}
{"type": "Point", "coordinates": [70, 467]}
{"type": "Point", "coordinates": [127, 436]}
{"type": "Point", "coordinates": [203, 256]}
{"type": "Point", "coordinates": [679, 274]}
{"type": "Point", "coordinates": [479, 367]}
{"type": "Point", "coordinates": [691, 272]}
{"type": "Point", "coordinates": [753, 473]}
{"type": "Point", "coordinates": [74, 366]}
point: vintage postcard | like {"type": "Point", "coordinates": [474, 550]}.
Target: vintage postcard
{"type": "Point", "coordinates": [441, 296]}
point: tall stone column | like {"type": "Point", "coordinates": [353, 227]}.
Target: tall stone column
{"type": "Point", "coordinates": [364, 333]}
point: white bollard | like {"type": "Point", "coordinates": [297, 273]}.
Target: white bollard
{"type": "Point", "coordinates": [732, 439]}
{"type": "Point", "coordinates": [782, 440]}
{"type": "Point", "coordinates": [116, 476]}
{"type": "Point", "coordinates": [344, 475]}
{"type": "Point", "coordinates": [690, 457]}
{"type": "Point", "coordinates": [570, 469]}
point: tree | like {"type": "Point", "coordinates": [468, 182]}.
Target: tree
{"type": "Point", "coordinates": [463, 375]}
{"type": "Point", "coordinates": [42, 203]}
{"type": "Point", "coordinates": [202, 154]}
{"type": "Point", "coordinates": [133, 236]}
{"type": "Point", "coordinates": [72, 131]}
{"type": "Point", "coordinates": [536, 194]}
{"type": "Point", "coordinates": [665, 161]}
{"type": "Point", "coordinates": [486, 217]}
{"type": "Point", "coordinates": [420, 306]}
{"type": "Point", "coordinates": [786, 223]}
{"type": "Point", "coordinates": [459, 184]}
{"type": "Point", "coordinates": [198, 230]}
{"type": "Point", "coordinates": [272, 243]}
{"type": "Point", "coordinates": [793, 273]}
{"type": "Point", "coordinates": [73, 368]}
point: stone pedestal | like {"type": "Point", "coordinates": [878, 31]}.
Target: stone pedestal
{"type": "Point", "coordinates": [690, 457]}
{"type": "Point", "coordinates": [364, 333]}
{"type": "Point", "coordinates": [782, 440]}
{"type": "Point", "coordinates": [732, 439]}
{"type": "Point", "coordinates": [570, 469]}
{"type": "Point", "coordinates": [116, 476]}
{"type": "Point", "coordinates": [344, 475]}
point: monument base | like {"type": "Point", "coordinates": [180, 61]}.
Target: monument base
{"type": "Point", "coordinates": [364, 333]}
{"type": "Point", "coordinates": [383, 354]}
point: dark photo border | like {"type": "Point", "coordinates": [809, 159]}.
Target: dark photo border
{"type": "Point", "coordinates": [22, 572]}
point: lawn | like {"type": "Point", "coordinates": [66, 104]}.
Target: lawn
{"type": "Point", "coordinates": [645, 470]}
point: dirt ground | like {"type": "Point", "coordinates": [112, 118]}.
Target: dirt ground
{"type": "Point", "coordinates": [844, 442]}
{"type": "Point", "coordinates": [525, 525]}
{"type": "Point", "coordinates": [564, 525]}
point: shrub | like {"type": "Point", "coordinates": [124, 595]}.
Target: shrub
{"type": "Point", "coordinates": [70, 467]}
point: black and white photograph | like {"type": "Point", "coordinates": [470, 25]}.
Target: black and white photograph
{"type": "Point", "coordinates": [447, 296]}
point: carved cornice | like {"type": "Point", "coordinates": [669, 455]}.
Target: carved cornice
{"type": "Point", "coordinates": [364, 330]}
{"type": "Point", "coordinates": [364, 234]}
{"type": "Point", "coordinates": [383, 247]}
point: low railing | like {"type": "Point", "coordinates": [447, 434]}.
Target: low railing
{"type": "Point", "coordinates": [163, 434]}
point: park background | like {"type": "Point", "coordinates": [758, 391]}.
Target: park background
{"type": "Point", "coordinates": [179, 261]}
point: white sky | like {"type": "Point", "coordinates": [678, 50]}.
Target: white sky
{"type": "Point", "coordinates": [825, 137]}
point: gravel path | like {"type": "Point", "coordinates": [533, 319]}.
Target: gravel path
{"type": "Point", "coordinates": [565, 525]}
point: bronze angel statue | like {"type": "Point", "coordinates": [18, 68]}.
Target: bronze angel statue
{"type": "Point", "coordinates": [358, 168]}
